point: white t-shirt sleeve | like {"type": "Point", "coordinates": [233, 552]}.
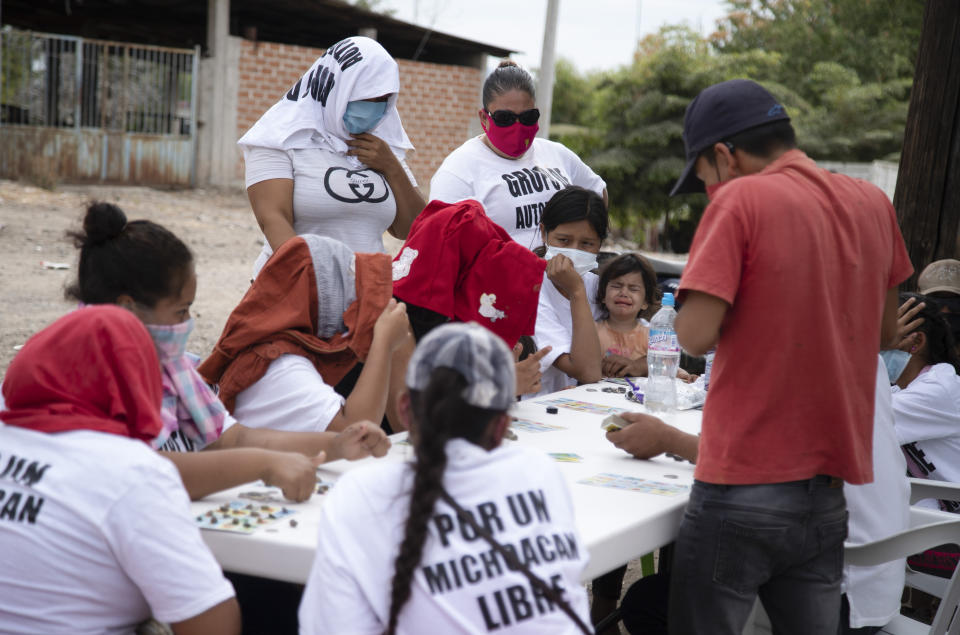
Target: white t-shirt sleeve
{"type": "Point", "coordinates": [552, 329]}
{"type": "Point", "coordinates": [262, 164]}
{"type": "Point", "coordinates": [152, 533]}
{"type": "Point", "coordinates": [922, 411]}
{"type": "Point", "coordinates": [290, 396]}
{"type": "Point", "coordinates": [228, 422]}
{"type": "Point", "coordinates": [448, 187]}
{"type": "Point", "coordinates": [408, 172]}
{"type": "Point", "coordinates": [580, 173]}
{"type": "Point", "coordinates": [333, 600]}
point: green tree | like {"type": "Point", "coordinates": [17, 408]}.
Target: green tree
{"type": "Point", "coordinates": [572, 95]}
{"type": "Point", "coordinates": [877, 39]}
{"type": "Point", "coordinates": [851, 61]}
{"type": "Point", "coordinates": [842, 68]}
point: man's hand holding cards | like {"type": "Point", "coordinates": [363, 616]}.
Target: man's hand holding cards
{"type": "Point", "coordinates": [614, 422]}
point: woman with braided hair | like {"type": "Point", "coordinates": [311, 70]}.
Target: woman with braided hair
{"type": "Point", "coordinates": [473, 536]}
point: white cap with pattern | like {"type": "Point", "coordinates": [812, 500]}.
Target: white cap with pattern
{"type": "Point", "coordinates": [476, 353]}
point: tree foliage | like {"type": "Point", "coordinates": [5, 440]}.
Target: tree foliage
{"type": "Point", "coordinates": [842, 68]}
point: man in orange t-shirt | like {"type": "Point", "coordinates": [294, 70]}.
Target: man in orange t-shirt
{"type": "Point", "coordinates": [792, 278]}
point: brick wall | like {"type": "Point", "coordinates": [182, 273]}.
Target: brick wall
{"type": "Point", "coordinates": [437, 102]}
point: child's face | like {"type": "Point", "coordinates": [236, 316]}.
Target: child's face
{"type": "Point", "coordinates": [172, 310]}
{"type": "Point", "coordinates": [577, 235]}
{"type": "Point", "coordinates": [625, 296]}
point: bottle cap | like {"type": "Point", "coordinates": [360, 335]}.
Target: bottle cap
{"type": "Point", "coordinates": [667, 300]}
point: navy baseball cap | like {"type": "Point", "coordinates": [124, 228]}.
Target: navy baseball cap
{"type": "Point", "coordinates": [717, 113]}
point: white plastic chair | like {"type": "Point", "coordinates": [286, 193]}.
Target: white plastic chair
{"type": "Point", "coordinates": [929, 528]}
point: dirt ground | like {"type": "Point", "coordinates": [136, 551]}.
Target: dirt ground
{"type": "Point", "coordinates": [218, 227]}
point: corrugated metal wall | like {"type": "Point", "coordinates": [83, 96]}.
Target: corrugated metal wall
{"type": "Point", "coordinates": [79, 110]}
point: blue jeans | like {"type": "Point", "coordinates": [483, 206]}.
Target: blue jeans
{"type": "Point", "coordinates": [781, 541]}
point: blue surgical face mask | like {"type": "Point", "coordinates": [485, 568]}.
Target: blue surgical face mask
{"type": "Point", "coordinates": [362, 116]}
{"type": "Point", "coordinates": [895, 361]}
{"type": "Point", "coordinates": [170, 339]}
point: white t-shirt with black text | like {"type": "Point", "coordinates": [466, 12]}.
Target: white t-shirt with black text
{"type": "Point", "coordinates": [460, 585]}
{"type": "Point", "coordinates": [927, 418]}
{"type": "Point", "coordinates": [878, 510]}
{"type": "Point", "coordinates": [291, 395]}
{"type": "Point", "coordinates": [554, 328]}
{"type": "Point", "coordinates": [96, 535]}
{"type": "Point", "coordinates": [331, 197]}
{"type": "Point", "coordinates": [512, 191]}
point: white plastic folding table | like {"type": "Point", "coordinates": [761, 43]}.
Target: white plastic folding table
{"type": "Point", "coordinates": [615, 525]}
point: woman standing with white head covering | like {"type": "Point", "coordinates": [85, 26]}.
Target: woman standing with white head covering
{"type": "Point", "coordinates": [443, 529]}
{"type": "Point", "coordinates": [328, 158]}
{"type": "Point", "coordinates": [511, 171]}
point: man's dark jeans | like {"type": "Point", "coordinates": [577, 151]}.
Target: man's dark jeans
{"type": "Point", "coordinates": [783, 541]}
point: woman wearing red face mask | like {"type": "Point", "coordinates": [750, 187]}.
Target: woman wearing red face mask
{"type": "Point", "coordinates": [508, 169]}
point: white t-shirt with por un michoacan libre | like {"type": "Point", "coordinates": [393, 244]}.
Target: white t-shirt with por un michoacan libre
{"type": "Point", "coordinates": [331, 196]}
{"type": "Point", "coordinates": [96, 535]}
{"type": "Point", "coordinates": [460, 585]}
{"type": "Point", "coordinates": [512, 191]}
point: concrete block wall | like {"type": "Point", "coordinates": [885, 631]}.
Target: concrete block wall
{"type": "Point", "coordinates": [437, 103]}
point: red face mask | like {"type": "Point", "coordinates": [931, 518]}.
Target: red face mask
{"type": "Point", "coordinates": [511, 140]}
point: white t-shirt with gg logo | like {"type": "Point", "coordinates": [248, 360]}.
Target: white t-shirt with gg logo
{"type": "Point", "coordinates": [331, 197]}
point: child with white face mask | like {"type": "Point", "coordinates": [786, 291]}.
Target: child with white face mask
{"type": "Point", "coordinates": [146, 269]}
{"type": "Point", "coordinates": [573, 226]}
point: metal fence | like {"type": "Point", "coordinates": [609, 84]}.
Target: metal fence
{"type": "Point", "coordinates": [69, 82]}
{"type": "Point", "coordinates": [78, 109]}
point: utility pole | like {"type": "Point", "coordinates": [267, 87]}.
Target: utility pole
{"type": "Point", "coordinates": [927, 197]}
{"type": "Point", "coordinates": [547, 63]}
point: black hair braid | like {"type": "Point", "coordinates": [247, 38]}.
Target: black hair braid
{"type": "Point", "coordinates": [433, 432]}
{"type": "Point", "coordinates": [440, 414]}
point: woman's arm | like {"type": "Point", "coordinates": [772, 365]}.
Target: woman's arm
{"type": "Point", "coordinates": [583, 360]}
{"type": "Point", "coordinates": [368, 400]}
{"type": "Point", "coordinates": [359, 440]}
{"type": "Point", "coordinates": [376, 154]}
{"type": "Point", "coordinates": [272, 203]}
{"type": "Point", "coordinates": [204, 473]}
{"type": "Point", "coordinates": [222, 619]}
{"type": "Point", "coordinates": [398, 383]}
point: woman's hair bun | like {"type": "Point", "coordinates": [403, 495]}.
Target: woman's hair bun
{"type": "Point", "coordinates": [103, 222]}
{"type": "Point", "coordinates": [506, 63]}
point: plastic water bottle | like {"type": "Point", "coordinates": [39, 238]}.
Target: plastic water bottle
{"type": "Point", "coordinates": [663, 359]}
{"type": "Point", "coordinates": [708, 368]}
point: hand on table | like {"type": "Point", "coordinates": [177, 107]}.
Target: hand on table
{"type": "Point", "coordinates": [528, 371]}
{"type": "Point", "coordinates": [613, 365]}
{"type": "Point", "coordinates": [360, 440]}
{"type": "Point", "coordinates": [373, 152]}
{"type": "Point", "coordinates": [564, 276]}
{"type": "Point", "coordinates": [294, 473]}
{"type": "Point", "coordinates": [684, 376]}
{"type": "Point", "coordinates": [647, 436]}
